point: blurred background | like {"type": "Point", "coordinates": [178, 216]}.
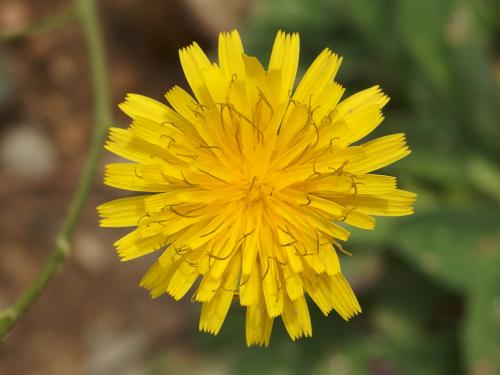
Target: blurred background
{"type": "Point", "coordinates": [429, 284]}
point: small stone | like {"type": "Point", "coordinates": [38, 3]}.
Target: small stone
{"type": "Point", "coordinates": [216, 15]}
{"type": "Point", "coordinates": [26, 151]}
{"type": "Point", "coordinates": [13, 16]}
{"type": "Point", "coordinates": [111, 352]}
{"type": "Point", "coordinates": [91, 253]}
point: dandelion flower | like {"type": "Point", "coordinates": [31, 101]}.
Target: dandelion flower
{"type": "Point", "coordinates": [248, 184]}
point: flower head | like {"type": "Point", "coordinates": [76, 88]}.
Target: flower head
{"type": "Point", "coordinates": [247, 183]}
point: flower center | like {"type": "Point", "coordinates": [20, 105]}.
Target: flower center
{"type": "Point", "coordinates": [257, 191]}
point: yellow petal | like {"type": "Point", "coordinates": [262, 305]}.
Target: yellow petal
{"type": "Point", "coordinates": [230, 55]}
{"type": "Point", "coordinates": [194, 62]}
{"type": "Point", "coordinates": [215, 310]}
{"type": "Point", "coordinates": [285, 58]}
{"type": "Point", "coordinates": [381, 152]}
{"type": "Point", "coordinates": [124, 212]}
{"type": "Point", "coordinates": [321, 72]}
{"type": "Point", "coordinates": [396, 203]}
{"type": "Point", "coordinates": [296, 318]}
{"type": "Point", "coordinates": [258, 324]}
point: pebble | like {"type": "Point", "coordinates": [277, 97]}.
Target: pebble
{"type": "Point", "coordinates": [26, 151]}
{"type": "Point", "coordinates": [91, 253]}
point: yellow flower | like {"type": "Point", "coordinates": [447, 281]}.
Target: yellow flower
{"type": "Point", "coordinates": [248, 182]}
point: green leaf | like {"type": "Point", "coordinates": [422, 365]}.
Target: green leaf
{"type": "Point", "coordinates": [460, 247]}
{"type": "Point", "coordinates": [445, 170]}
{"type": "Point", "coordinates": [449, 243]}
{"type": "Point", "coordinates": [485, 176]}
{"type": "Point", "coordinates": [470, 33]}
{"type": "Point", "coordinates": [482, 319]}
{"type": "Point", "coordinates": [420, 23]}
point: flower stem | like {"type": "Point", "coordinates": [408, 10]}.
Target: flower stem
{"type": "Point", "coordinates": [87, 14]}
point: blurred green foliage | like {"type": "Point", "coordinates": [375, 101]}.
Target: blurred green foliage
{"type": "Point", "coordinates": [429, 283]}
{"type": "Point", "coordinates": [4, 84]}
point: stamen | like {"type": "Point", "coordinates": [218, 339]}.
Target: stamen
{"type": "Point", "coordinates": [212, 231]}
{"type": "Point", "coordinates": [222, 115]}
{"type": "Point", "coordinates": [165, 242]}
{"type": "Point", "coordinates": [340, 170]}
{"type": "Point", "coordinates": [253, 182]}
{"type": "Point", "coordinates": [245, 235]}
{"type": "Point", "coordinates": [193, 297]}
{"type": "Point", "coordinates": [308, 201]}
{"type": "Point", "coordinates": [337, 245]}
{"type": "Point", "coordinates": [288, 243]}
{"type": "Point", "coordinates": [180, 251]}
{"type": "Point", "coordinates": [298, 252]}
{"type": "Point", "coordinates": [159, 222]}
{"type": "Point", "coordinates": [234, 78]}
{"type": "Point", "coordinates": [317, 130]}
{"type": "Point", "coordinates": [332, 114]}
{"type": "Point", "coordinates": [192, 264]}
{"type": "Point", "coordinates": [242, 116]}
{"type": "Point", "coordinates": [168, 178]}
{"type": "Point", "coordinates": [263, 97]}
{"type": "Point", "coordinates": [170, 123]}
{"type": "Point", "coordinates": [198, 114]}
{"type": "Point", "coordinates": [278, 261]}
{"type": "Point", "coordinates": [267, 271]}
{"type": "Point", "coordinates": [203, 205]}
{"type": "Point", "coordinates": [209, 147]}
{"type": "Point", "coordinates": [217, 257]}
{"type": "Point", "coordinates": [186, 181]}
{"type": "Point", "coordinates": [171, 208]}
{"type": "Point", "coordinates": [317, 241]}
{"type": "Point", "coordinates": [310, 119]}
{"type": "Point", "coordinates": [147, 215]}
{"type": "Point", "coordinates": [203, 107]}
{"type": "Point", "coordinates": [245, 281]}
{"type": "Point", "coordinates": [194, 157]}
{"type": "Point", "coordinates": [295, 161]}
{"type": "Point", "coordinates": [136, 174]}
{"type": "Point", "coordinates": [315, 172]}
{"type": "Point", "coordinates": [331, 143]}
{"type": "Point", "coordinates": [211, 175]}
{"type": "Point", "coordinates": [286, 111]}
{"type": "Point", "coordinates": [228, 290]}
{"type": "Point", "coordinates": [355, 185]}
{"type": "Point", "coordinates": [171, 139]}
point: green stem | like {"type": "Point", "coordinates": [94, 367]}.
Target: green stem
{"type": "Point", "coordinates": [52, 22]}
{"type": "Point", "coordinates": [87, 14]}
